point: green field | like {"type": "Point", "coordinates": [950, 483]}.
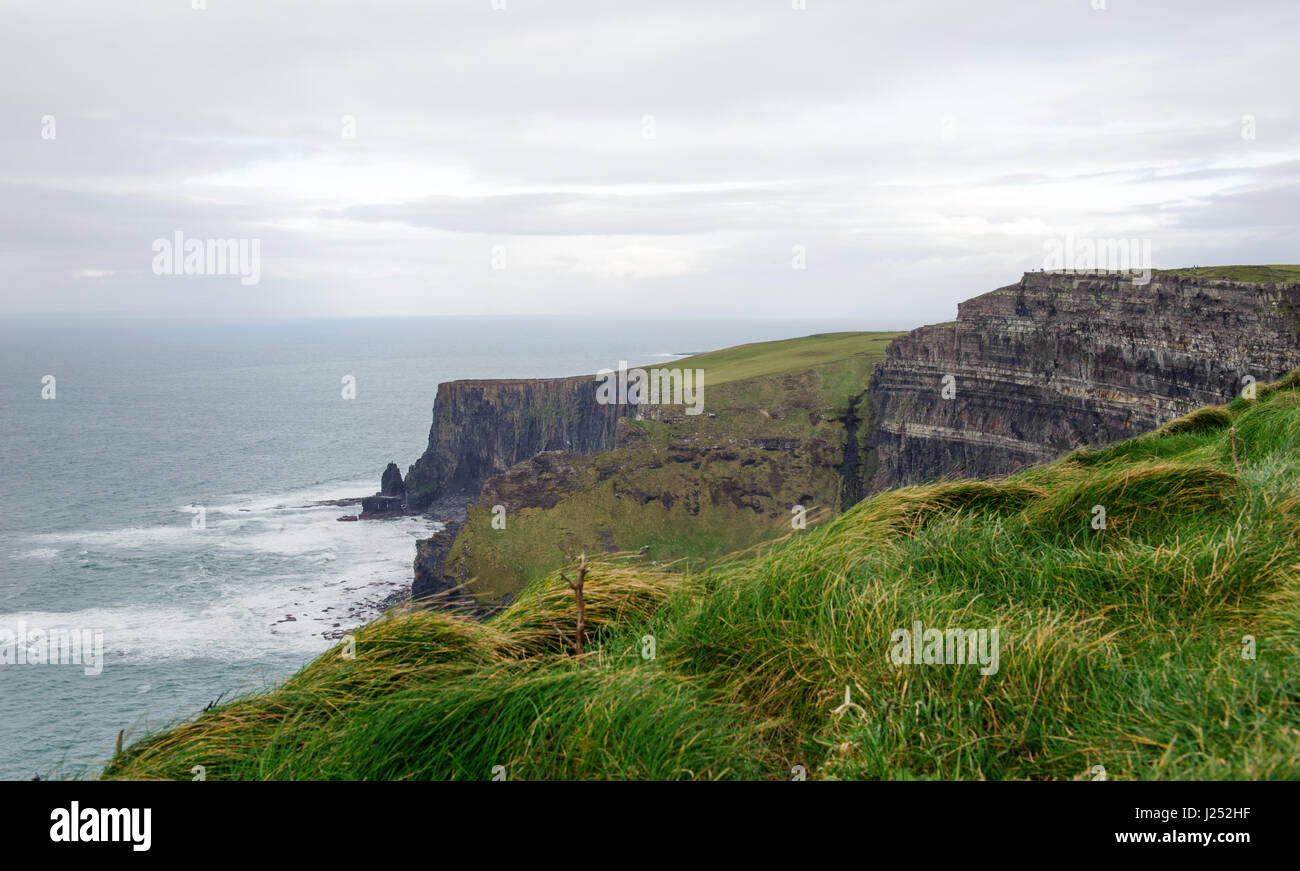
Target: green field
{"type": "Point", "coordinates": [1160, 646]}
{"type": "Point", "coordinates": [786, 355]}
{"type": "Point", "coordinates": [1278, 273]}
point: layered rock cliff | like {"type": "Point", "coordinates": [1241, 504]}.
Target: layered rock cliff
{"type": "Point", "coordinates": [482, 428]}
{"type": "Point", "coordinates": [1056, 361]}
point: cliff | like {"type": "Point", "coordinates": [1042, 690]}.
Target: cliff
{"type": "Point", "coordinates": [659, 481]}
{"type": "Point", "coordinates": [1058, 361]}
{"type": "Point", "coordinates": [482, 428]}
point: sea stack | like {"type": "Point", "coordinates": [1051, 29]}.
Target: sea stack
{"type": "Point", "coordinates": [391, 497]}
{"type": "Point", "coordinates": [391, 483]}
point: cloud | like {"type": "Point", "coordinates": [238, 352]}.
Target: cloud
{"type": "Point", "coordinates": [663, 154]}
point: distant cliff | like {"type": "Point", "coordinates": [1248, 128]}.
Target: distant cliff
{"type": "Point", "coordinates": [482, 428]}
{"type": "Point", "coordinates": [525, 472]}
{"type": "Point", "coordinates": [1057, 361]}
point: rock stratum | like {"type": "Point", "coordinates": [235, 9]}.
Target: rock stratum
{"type": "Point", "coordinates": [482, 428]}
{"type": "Point", "coordinates": [1058, 361]}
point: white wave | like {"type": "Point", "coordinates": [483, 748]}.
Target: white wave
{"type": "Point", "coordinates": [112, 539]}
{"type": "Point", "coordinates": [284, 511]}
{"type": "Point", "coordinates": [241, 618]}
{"type": "Point", "coordinates": [256, 503]}
{"type": "Point", "coordinates": [40, 553]}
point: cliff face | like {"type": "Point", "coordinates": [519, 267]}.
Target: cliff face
{"type": "Point", "coordinates": [482, 428]}
{"type": "Point", "coordinates": [1057, 361]}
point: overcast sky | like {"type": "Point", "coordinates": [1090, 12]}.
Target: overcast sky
{"type": "Point", "coordinates": [623, 158]}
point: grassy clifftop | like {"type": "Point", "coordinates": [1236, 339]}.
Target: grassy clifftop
{"type": "Point", "coordinates": [1256, 273]}
{"type": "Point", "coordinates": [760, 359]}
{"type": "Point", "coordinates": [1162, 645]}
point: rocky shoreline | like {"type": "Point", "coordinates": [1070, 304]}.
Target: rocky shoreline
{"type": "Point", "coordinates": [430, 587]}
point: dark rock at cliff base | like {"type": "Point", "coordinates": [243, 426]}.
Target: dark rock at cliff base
{"type": "Point", "coordinates": [434, 586]}
{"type": "Point", "coordinates": [391, 483]}
{"type": "Point", "coordinates": [381, 504]}
{"type": "Point", "coordinates": [430, 557]}
{"type": "Point", "coordinates": [391, 498]}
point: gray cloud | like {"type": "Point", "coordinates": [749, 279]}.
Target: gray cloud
{"type": "Point", "coordinates": [920, 152]}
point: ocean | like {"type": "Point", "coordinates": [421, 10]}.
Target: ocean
{"type": "Point", "coordinates": [162, 498]}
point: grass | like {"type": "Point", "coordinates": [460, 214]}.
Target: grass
{"type": "Point", "coordinates": [761, 359]}
{"type": "Point", "coordinates": [1120, 647]}
{"type": "Point", "coordinates": [1273, 273]}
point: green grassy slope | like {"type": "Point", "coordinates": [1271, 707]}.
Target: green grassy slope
{"type": "Point", "coordinates": [785, 355]}
{"type": "Point", "coordinates": [1120, 647]}
{"type": "Point", "coordinates": [689, 487]}
{"type": "Point", "coordinates": [1275, 273]}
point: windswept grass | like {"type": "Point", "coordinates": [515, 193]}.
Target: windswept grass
{"type": "Point", "coordinates": [1202, 420]}
{"type": "Point", "coordinates": [1162, 645]}
{"type": "Point", "coordinates": [1140, 501]}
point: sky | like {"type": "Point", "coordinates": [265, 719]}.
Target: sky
{"type": "Point", "coordinates": [872, 161]}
